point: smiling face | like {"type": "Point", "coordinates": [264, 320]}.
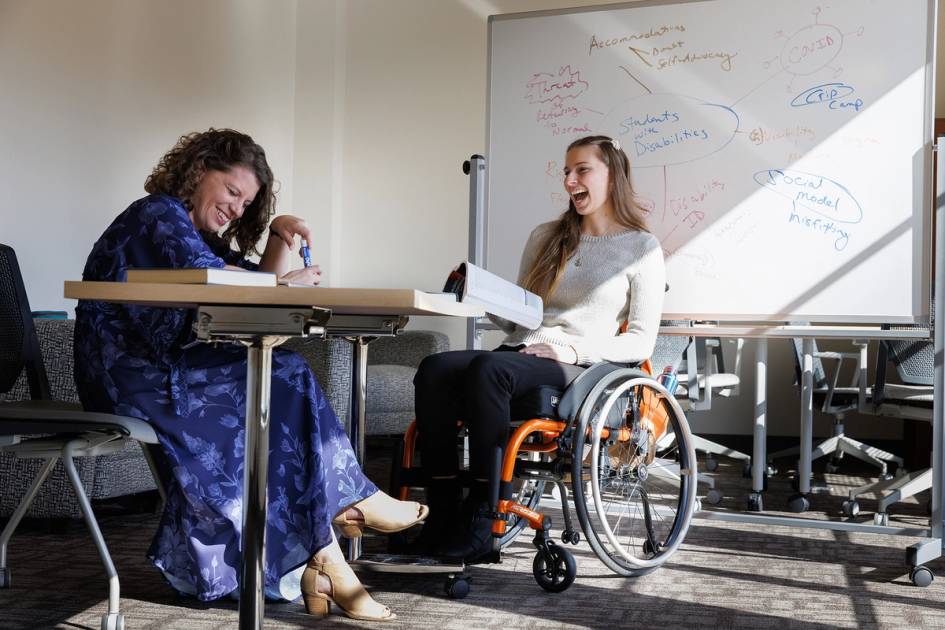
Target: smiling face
{"type": "Point", "coordinates": [221, 197]}
{"type": "Point", "coordinates": [587, 181]}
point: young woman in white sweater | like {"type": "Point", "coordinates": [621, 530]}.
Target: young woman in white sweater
{"type": "Point", "coordinates": [600, 274]}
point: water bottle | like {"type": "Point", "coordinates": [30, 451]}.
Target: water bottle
{"type": "Point", "coordinates": [668, 379]}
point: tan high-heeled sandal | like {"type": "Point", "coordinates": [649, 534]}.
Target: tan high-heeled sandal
{"type": "Point", "coordinates": [347, 593]}
{"type": "Point", "coordinates": [382, 513]}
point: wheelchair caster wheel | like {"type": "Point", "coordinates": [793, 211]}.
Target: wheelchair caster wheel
{"type": "Point", "coordinates": [798, 503]}
{"type": "Point", "coordinates": [921, 576]}
{"type": "Point", "coordinates": [6, 579]}
{"type": "Point", "coordinates": [456, 587]}
{"type": "Point", "coordinates": [711, 464]}
{"type": "Point", "coordinates": [114, 621]}
{"type": "Point", "coordinates": [881, 519]}
{"type": "Point", "coordinates": [886, 476]}
{"type": "Point", "coordinates": [770, 471]}
{"type": "Point", "coordinates": [714, 496]}
{"type": "Point", "coordinates": [755, 502]}
{"type": "Point", "coordinates": [831, 468]}
{"type": "Point", "coordinates": [570, 537]}
{"type": "Point", "coordinates": [554, 568]}
{"type": "Point", "coordinates": [850, 508]}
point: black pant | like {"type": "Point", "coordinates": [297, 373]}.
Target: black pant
{"type": "Point", "coordinates": [475, 386]}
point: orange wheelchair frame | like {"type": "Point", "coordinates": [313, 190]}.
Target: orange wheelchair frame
{"type": "Point", "coordinates": [554, 567]}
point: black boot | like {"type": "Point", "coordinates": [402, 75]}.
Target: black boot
{"type": "Point", "coordinates": [443, 497]}
{"type": "Point", "coordinates": [472, 541]}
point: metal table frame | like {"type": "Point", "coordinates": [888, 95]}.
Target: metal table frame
{"type": "Point", "coordinates": [261, 318]}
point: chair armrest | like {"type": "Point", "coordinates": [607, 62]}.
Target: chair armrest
{"type": "Point", "coordinates": [859, 374]}
{"type": "Point", "coordinates": [408, 348]}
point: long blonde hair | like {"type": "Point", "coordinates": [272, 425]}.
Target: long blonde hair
{"type": "Point", "coordinates": [562, 241]}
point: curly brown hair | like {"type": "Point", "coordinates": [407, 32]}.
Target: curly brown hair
{"type": "Point", "coordinates": [562, 241]}
{"type": "Point", "coordinates": [180, 170]}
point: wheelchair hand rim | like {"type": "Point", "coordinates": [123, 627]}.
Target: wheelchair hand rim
{"type": "Point", "coordinates": [688, 506]}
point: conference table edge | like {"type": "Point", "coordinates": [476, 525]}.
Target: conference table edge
{"type": "Point", "coordinates": [342, 301]}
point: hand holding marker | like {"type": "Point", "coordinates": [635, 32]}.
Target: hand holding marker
{"type": "Point", "coordinates": [306, 254]}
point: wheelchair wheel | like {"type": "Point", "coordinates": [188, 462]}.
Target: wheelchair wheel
{"type": "Point", "coordinates": [635, 491]}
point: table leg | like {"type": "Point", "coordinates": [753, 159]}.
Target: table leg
{"type": "Point", "coordinates": [358, 410]}
{"type": "Point", "coordinates": [759, 450]}
{"type": "Point", "coordinates": [255, 473]}
{"type": "Point", "coordinates": [807, 417]}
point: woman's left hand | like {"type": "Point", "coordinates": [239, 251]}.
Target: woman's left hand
{"type": "Point", "coordinates": [307, 275]}
{"type": "Point", "coordinates": [287, 227]}
{"type": "Point", "coordinates": [564, 354]}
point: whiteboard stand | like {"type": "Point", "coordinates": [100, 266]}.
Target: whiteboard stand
{"type": "Point", "coordinates": [475, 167]}
{"type": "Point", "coordinates": [920, 553]}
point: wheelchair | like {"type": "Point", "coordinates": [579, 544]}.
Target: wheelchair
{"type": "Point", "coordinates": [622, 443]}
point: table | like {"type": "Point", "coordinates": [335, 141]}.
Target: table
{"type": "Point", "coordinates": [261, 318]}
{"type": "Point", "coordinates": [916, 554]}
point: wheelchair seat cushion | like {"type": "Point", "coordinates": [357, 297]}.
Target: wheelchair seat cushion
{"type": "Point", "coordinates": [541, 402]}
{"type": "Point", "coordinates": [581, 386]}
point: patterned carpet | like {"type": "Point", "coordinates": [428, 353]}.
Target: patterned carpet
{"type": "Point", "coordinates": [727, 575]}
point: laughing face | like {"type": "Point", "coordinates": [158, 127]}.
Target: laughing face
{"type": "Point", "coordinates": [587, 181]}
{"type": "Point", "coordinates": [221, 197]}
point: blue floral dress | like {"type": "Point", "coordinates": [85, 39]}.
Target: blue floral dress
{"type": "Point", "coordinates": [131, 360]}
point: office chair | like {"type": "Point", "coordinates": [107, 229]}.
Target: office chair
{"type": "Point", "coordinates": [42, 428]}
{"type": "Point", "coordinates": [911, 398]}
{"type": "Point", "coordinates": [694, 393]}
{"type": "Point", "coordinates": [837, 401]}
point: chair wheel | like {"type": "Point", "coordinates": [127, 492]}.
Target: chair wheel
{"type": "Point", "coordinates": [921, 576]}
{"type": "Point", "coordinates": [456, 587]}
{"type": "Point", "coordinates": [711, 464]}
{"type": "Point", "coordinates": [850, 507]}
{"type": "Point", "coordinates": [570, 537]}
{"type": "Point", "coordinates": [831, 467]}
{"type": "Point", "coordinates": [554, 569]}
{"type": "Point", "coordinates": [755, 502]}
{"type": "Point", "coordinates": [714, 496]}
{"type": "Point", "coordinates": [798, 503]}
{"type": "Point", "coordinates": [114, 621]}
{"type": "Point", "coordinates": [881, 519]}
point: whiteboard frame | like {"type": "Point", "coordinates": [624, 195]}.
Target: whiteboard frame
{"type": "Point", "coordinates": [922, 241]}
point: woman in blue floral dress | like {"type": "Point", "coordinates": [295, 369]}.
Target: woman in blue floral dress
{"type": "Point", "coordinates": [214, 189]}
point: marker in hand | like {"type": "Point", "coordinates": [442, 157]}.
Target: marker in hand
{"type": "Point", "coordinates": [306, 254]}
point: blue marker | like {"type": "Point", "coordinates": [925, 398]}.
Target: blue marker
{"type": "Point", "coordinates": [306, 254]}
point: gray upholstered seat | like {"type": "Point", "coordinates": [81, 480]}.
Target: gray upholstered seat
{"type": "Point", "coordinates": [116, 474]}
{"type": "Point", "coordinates": [392, 363]}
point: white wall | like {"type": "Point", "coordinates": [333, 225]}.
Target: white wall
{"type": "Point", "coordinates": [92, 93]}
{"type": "Point", "coordinates": [367, 109]}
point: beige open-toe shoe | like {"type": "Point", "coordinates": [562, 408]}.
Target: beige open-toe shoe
{"type": "Point", "coordinates": [382, 513]}
{"type": "Point", "coordinates": [347, 593]}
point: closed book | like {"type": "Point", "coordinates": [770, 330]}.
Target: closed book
{"type": "Point", "coordinates": [210, 275]}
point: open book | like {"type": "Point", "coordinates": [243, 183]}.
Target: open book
{"type": "Point", "coordinates": [497, 296]}
{"type": "Point", "coordinates": [209, 275]}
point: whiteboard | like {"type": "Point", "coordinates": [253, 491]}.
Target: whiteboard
{"type": "Point", "coordinates": [781, 150]}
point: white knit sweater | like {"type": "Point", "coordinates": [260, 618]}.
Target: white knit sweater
{"type": "Point", "coordinates": [608, 281]}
